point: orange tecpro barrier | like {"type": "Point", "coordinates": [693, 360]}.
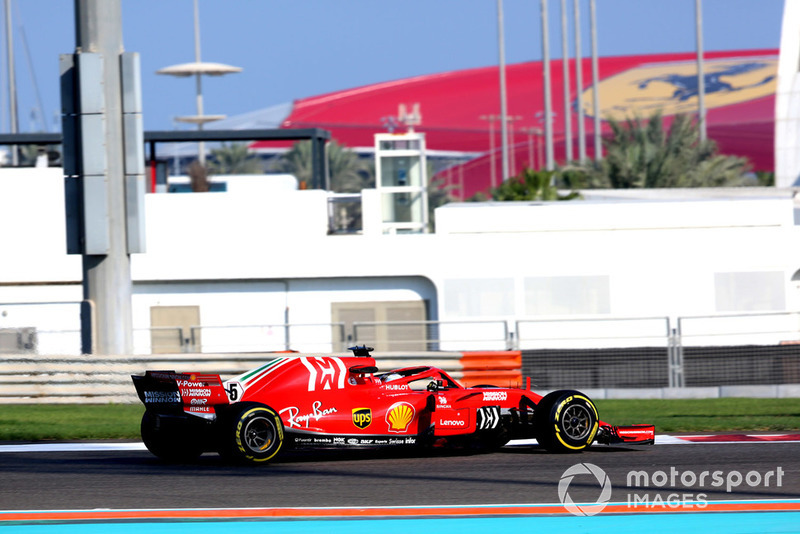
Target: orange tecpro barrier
{"type": "Point", "coordinates": [501, 368]}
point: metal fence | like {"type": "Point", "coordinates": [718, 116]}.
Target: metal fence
{"type": "Point", "coordinates": [619, 352]}
{"type": "Point", "coordinates": [592, 333]}
{"type": "Point", "coordinates": [738, 349]}
{"type": "Point", "coordinates": [321, 337]}
{"type": "Point", "coordinates": [433, 335]}
{"type": "Point", "coordinates": [40, 327]}
{"type": "Point", "coordinates": [776, 328]}
{"type": "Point", "coordinates": [564, 352]}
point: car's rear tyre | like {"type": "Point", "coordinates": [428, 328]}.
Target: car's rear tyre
{"type": "Point", "coordinates": [566, 421]}
{"type": "Point", "coordinates": [257, 434]}
{"type": "Point", "coordinates": [171, 442]}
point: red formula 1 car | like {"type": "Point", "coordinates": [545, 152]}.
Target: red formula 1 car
{"type": "Point", "coordinates": [330, 402]}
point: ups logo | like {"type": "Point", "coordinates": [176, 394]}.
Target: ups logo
{"type": "Point", "coordinates": [362, 417]}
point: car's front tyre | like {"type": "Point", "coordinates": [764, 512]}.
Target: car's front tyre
{"type": "Point", "coordinates": [566, 421]}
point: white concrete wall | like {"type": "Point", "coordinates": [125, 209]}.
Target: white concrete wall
{"type": "Point", "coordinates": [232, 253]}
{"type": "Point", "coordinates": [787, 100]}
{"type": "Point", "coordinates": [692, 211]}
{"type": "Point", "coordinates": [33, 236]}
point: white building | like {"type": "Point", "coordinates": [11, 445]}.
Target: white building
{"type": "Point", "coordinates": [240, 266]}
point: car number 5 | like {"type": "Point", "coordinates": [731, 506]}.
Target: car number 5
{"type": "Point", "coordinates": [234, 391]}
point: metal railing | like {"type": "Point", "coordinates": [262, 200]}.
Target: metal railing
{"type": "Point", "coordinates": [749, 349]}
{"type": "Point", "coordinates": [433, 335]}
{"type": "Point", "coordinates": [313, 337]}
{"type": "Point", "coordinates": [592, 352]}
{"type": "Point", "coordinates": [51, 327]}
{"type": "Point", "coordinates": [576, 352]}
{"type": "Point", "coordinates": [772, 328]}
{"type": "Point", "coordinates": [592, 332]}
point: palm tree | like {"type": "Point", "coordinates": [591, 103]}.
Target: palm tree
{"type": "Point", "coordinates": [198, 177]}
{"type": "Point", "coordinates": [296, 161]}
{"type": "Point", "coordinates": [348, 172]}
{"type": "Point", "coordinates": [643, 153]}
{"type": "Point", "coordinates": [531, 185]}
{"type": "Point", "coordinates": [439, 194]}
{"type": "Point", "coordinates": [234, 159]}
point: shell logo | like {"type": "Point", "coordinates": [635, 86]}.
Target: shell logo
{"type": "Point", "coordinates": [399, 416]}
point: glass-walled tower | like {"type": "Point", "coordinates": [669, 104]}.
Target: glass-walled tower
{"type": "Point", "coordinates": [401, 175]}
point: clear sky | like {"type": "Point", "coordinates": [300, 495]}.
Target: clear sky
{"type": "Point", "coordinates": [291, 49]}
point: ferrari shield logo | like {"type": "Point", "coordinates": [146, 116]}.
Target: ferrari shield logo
{"type": "Point", "coordinates": [362, 417]}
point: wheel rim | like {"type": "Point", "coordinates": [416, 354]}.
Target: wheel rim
{"type": "Point", "coordinates": [259, 434]}
{"type": "Point", "coordinates": [576, 421]}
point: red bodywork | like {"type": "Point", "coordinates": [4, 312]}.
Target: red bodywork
{"type": "Point", "coordinates": [327, 401]}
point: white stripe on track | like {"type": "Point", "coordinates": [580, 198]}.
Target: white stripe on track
{"type": "Point", "coordinates": [72, 447]}
{"type": "Point", "coordinates": [99, 446]}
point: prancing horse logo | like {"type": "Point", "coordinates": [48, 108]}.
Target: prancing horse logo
{"type": "Point", "coordinates": [673, 87]}
{"type": "Point", "coordinates": [687, 86]}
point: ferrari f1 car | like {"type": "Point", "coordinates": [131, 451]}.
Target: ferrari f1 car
{"type": "Point", "coordinates": [338, 402]}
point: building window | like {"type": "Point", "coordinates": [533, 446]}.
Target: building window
{"type": "Point", "coordinates": [567, 295]}
{"type": "Point", "coordinates": [479, 298]}
{"type": "Point", "coordinates": [750, 291]}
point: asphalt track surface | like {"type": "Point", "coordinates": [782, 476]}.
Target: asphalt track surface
{"type": "Point", "coordinates": [127, 479]}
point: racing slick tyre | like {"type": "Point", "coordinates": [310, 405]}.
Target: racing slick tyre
{"type": "Point", "coordinates": [257, 434]}
{"type": "Point", "coordinates": [566, 421]}
{"type": "Point", "coordinates": [169, 442]}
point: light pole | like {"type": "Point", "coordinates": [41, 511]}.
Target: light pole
{"type": "Point", "coordinates": [579, 84]}
{"type": "Point", "coordinates": [12, 83]}
{"type": "Point", "coordinates": [544, 119]}
{"type": "Point", "coordinates": [548, 105]}
{"type": "Point", "coordinates": [503, 103]}
{"type": "Point", "coordinates": [565, 70]}
{"type": "Point", "coordinates": [701, 82]}
{"type": "Point", "coordinates": [199, 69]}
{"type": "Point", "coordinates": [491, 119]}
{"type": "Point", "coordinates": [511, 121]}
{"type": "Point", "coordinates": [531, 132]}
{"type": "Point", "coordinates": [598, 143]}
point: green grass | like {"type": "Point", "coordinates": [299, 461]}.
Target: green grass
{"type": "Point", "coordinates": [38, 422]}
{"type": "Point", "coordinates": [705, 415]}
{"type": "Point", "coordinates": [35, 422]}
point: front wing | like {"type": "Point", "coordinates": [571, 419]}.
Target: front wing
{"type": "Point", "coordinates": [629, 435]}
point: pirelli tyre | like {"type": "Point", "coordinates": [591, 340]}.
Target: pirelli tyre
{"type": "Point", "coordinates": [257, 434]}
{"type": "Point", "coordinates": [566, 421]}
{"type": "Point", "coordinates": [168, 439]}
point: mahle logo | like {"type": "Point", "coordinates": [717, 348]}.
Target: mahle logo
{"type": "Point", "coordinates": [584, 509]}
{"type": "Point", "coordinates": [362, 417]}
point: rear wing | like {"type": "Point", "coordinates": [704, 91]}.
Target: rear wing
{"type": "Point", "coordinates": [170, 392]}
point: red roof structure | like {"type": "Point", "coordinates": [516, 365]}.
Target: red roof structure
{"type": "Point", "coordinates": [456, 106]}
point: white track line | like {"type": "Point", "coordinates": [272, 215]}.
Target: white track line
{"type": "Point", "coordinates": [661, 439]}
{"type": "Point", "coordinates": [71, 447]}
